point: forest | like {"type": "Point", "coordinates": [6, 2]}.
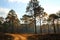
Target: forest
{"type": "Point", "coordinates": [34, 21]}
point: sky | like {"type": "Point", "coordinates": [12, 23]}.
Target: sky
{"type": "Point", "coordinates": [19, 6]}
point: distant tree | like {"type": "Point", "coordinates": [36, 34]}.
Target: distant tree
{"type": "Point", "coordinates": [27, 20]}
{"type": "Point", "coordinates": [58, 13]}
{"type": "Point", "coordinates": [1, 20]}
{"type": "Point", "coordinates": [1, 24]}
{"type": "Point", "coordinates": [53, 17]}
{"type": "Point", "coordinates": [44, 18]}
{"type": "Point", "coordinates": [49, 24]}
{"type": "Point", "coordinates": [6, 26]}
{"type": "Point", "coordinates": [13, 20]}
{"type": "Point", "coordinates": [1, 27]}
{"type": "Point", "coordinates": [58, 19]}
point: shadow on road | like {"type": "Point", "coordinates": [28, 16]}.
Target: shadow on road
{"type": "Point", "coordinates": [30, 37]}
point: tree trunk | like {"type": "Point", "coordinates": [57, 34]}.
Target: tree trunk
{"type": "Point", "coordinates": [40, 27]}
{"type": "Point", "coordinates": [57, 26]}
{"type": "Point", "coordinates": [48, 28]}
{"type": "Point", "coordinates": [35, 25]}
{"type": "Point", "coordinates": [54, 26]}
{"type": "Point", "coordinates": [12, 31]}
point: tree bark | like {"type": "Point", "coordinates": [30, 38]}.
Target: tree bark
{"type": "Point", "coordinates": [35, 25]}
{"type": "Point", "coordinates": [54, 26]}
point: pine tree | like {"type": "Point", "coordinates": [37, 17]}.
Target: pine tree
{"type": "Point", "coordinates": [34, 9]}
{"type": "Point", "coordinates": [13, 20]}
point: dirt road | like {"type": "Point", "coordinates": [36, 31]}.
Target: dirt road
{"type": "Point", "coordinates": [19, 36]}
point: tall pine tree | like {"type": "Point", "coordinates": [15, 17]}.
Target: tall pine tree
{"type": "Point", "coordinates": [34, 9]}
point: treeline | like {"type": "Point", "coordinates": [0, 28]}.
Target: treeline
{"type": "Point", "coordinates": [11, 24]}
{"type": "Point", "coordinates": [36, 21]}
